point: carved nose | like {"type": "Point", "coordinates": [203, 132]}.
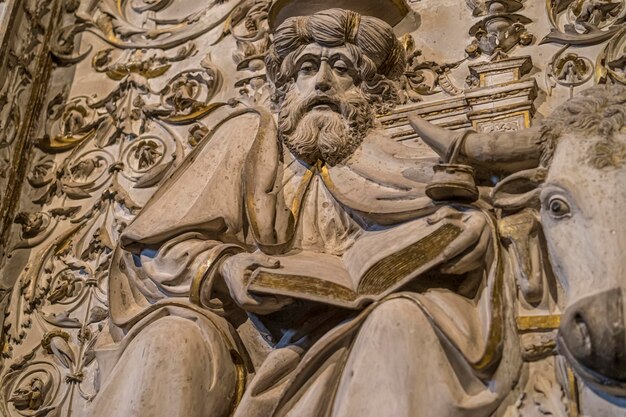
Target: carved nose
{"type": "Point", "coordinates": [592, 335]}
{"type": "Point", "coordinates": [323, 83]}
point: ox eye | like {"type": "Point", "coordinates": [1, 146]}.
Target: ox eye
{"type": "Point", "coordinates": [558, 208]}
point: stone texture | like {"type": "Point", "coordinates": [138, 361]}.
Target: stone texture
{"type": "Point", "coordinates": [225, 217]}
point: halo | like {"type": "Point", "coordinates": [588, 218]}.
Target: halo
{"type": "Point", "coordinates": [390, 11]}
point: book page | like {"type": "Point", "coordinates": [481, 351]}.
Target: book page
{"type": "Point", "coordinates": [375, 245]}
{"type": "Point", "coordinates": [386, 259]}
{"type": "Point", "coordinates": [309, 275]}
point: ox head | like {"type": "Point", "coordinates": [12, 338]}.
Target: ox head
{"type": "Point", "coordinates": [583, 215]}
{"type": "Point", "coordinates": [579, 189]}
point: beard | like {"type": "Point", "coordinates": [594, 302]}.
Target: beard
{"type": "Point", "coordinates": [330, 135]}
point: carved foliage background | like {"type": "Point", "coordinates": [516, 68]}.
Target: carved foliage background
{"type": "Point", "coordinates": [23, 58]}
{"type": "Point", "coordinates": [135, 85]}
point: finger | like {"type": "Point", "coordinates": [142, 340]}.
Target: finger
{"type": "Point", "coordinates": [445, 212]}
{"type": "Point", "coordinates": [466, 239]}
{"type": "Point", "coordinates": [247, 301]}
{"type": "Point", "coordinates": [269, 304]}
{"type": "Point", "coordinates": [458, 270]}
{"type": "Point", "coordinates": [240, 295]}
{"type": "Point", "coordinates": [472, 259]}
{"type": "Point", "coordinates": [276, 302]}
{"type": "Point", "coordinates": [474, 219]}
{"type": "Point", "coordinates": [264, 261]}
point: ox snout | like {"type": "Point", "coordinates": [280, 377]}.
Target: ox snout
{"type": "Point", "coordinates": [592, 337]}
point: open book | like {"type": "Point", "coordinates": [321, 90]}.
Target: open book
{"type": "Point", "coordinates": [377, 264]}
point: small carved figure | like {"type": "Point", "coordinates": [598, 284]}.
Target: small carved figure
{"type": "Point", "coordinates": [501, 32]}
{"type": "Point", "coordinates": [30, 397]}
{"type": "Point", "coordinates": [32, 223]}
{"type": "Point", "coordinates": [590, 14]}
{"type": "Point", "coordinates": [83, 170]}
{"type": "Point", "coordinates": [146, 153]}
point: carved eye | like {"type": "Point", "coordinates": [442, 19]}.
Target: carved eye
{"type": "Point", "coordinates": [308, 66]}
{"type": "Point", "coordinates": [340, 66]}
{"type": "Point", "coordinates": [558, 208]}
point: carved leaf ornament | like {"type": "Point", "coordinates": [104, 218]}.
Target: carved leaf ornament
{"type": "Point", "coordinates": [100, 157]}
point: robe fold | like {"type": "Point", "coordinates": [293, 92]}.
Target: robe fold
{"type": "Point", "coordinates": [241, 187]}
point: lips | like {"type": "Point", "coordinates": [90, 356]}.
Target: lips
{"type": "Point", "coordinates": [323, 103]}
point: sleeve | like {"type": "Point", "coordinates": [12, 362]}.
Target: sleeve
{"type": "Point", "coordinates": [184, 269]}
{"type": "Point", "coordinates": [170, 270]}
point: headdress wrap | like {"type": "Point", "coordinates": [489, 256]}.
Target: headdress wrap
{"type": "Point", "coordinates": [301, 29]}
{"type": "Point", "coordinates": [352, 26]}
{"type": "Point", "coordinates": [373, 37]}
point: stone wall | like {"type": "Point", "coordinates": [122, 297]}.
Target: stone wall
{"type": "Point", "coordinates": [102, 100]}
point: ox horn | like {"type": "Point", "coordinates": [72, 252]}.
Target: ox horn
{"type": "Point", "coordinates": [438, 138]}
{"type": "Point", "coordinates": [506, 152]}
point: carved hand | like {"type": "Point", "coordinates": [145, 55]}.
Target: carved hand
{"type": "Point", "coordinates": [467, 252]}
{"type": "Point", "coordinates": [236, 271]}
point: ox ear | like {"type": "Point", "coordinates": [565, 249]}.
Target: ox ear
{"type": "Point", "coordinates": [520, 190]}
{"type": "Point", "coordinates": [518, 195]}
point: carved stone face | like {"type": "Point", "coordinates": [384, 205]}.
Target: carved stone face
{"type": "Point", "coordinates": [325, 114]}
{"type": "Point", "coordinates": [324, 70]}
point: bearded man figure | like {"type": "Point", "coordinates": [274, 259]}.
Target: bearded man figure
{"type": "Point", "coordinates": [301, 270]}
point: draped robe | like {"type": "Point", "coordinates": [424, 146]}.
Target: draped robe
{"type": "Point", "coordinates": [241, 187]}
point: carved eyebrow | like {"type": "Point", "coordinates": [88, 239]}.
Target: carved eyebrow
{"type": "Point", "coordinates": [307, 57]}
{"type": "Point", "coordinates": [332, 59]}
{"type": "Point", "coordinates": [339, 55]}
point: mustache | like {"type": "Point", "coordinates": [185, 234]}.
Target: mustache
{"type": "Point", "coordinates": [328, 135]}
{"type": "Point", "coordinates": [322, 99]}
{"type": "Point", "coordinates": [294, 108]}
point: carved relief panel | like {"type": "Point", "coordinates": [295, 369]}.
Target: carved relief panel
{"type": "Point", "coordinates": [293, 199]}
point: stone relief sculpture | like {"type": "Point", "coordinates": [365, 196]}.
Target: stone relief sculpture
{"type": "Point", "coordinates": [295, 225]}
{"type": "Point", "coordinates": [316, 247]}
